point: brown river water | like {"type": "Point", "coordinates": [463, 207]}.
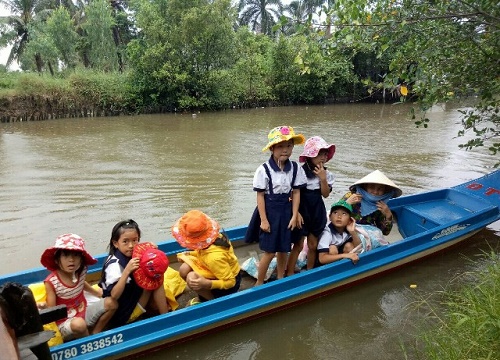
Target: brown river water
{"type": "Point", "coordinates": [84, 175]}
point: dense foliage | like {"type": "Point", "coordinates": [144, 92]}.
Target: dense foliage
{"type": "Point", "coordinates": [466, 323]}
{"type": "Point", "coordinates": [181, 55]}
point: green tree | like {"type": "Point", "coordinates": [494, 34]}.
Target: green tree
{"type": "Point", "coordinates": [251, 72]}
{"type": "Point", "coordinates": [97, 27]}
{"type": "Point", "coordinates": [14, 29]}
{"type": "Point", "coordinates": [260, 15]}
{"type": "Point", "coordinates": [181, 48]}
{"type": "Point", "coordinates": [442, 50]}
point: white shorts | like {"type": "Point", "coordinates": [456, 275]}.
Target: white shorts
{"type": "Point", "coordinates": [93, 313]}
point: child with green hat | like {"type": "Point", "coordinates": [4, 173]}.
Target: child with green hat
{"type": "Point", "coordinates": [339, 237]}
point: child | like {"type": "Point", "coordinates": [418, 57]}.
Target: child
{"type": "Point", "coordinates": [368, 196]}
{"type": "Point", "coordinates": [117, 281]}
{"type": "Point", "coordinates": [211, 268]}
{"type": "Point", "coordinates": [68, 262]}
{"type": "Point", "coordinates": [340, 236]}
{"type": "Point", "coordinates": [312, 208]}
{"type": "Point", "coordinates": [276, 182]}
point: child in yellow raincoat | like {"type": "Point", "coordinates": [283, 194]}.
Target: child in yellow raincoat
{"type": "Point", "coordinates": [211, 268]}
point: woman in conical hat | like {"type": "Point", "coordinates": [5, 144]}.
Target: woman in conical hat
{"type": "Point", "coordinates": [368, 197]}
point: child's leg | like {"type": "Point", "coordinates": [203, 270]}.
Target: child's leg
{"type": "Point", "coordinates": [144, 299]}
{"type": "Point", "coordinates": [184, 269]}
{"type": "Point", "coordinates": [79, 327]}
{"type": "Point", "coordinates": [312, 245]}
{"type": "Point", "coordinates": [281, 258]}
{"type": "Point", "coordinates": [263, 266]}
{"type": "Point", "coordinates": [160, 300]}
{"type": "Point", "coordinates": [294, 255]}
{"type": "Point", "coordinates": [348, 246]}
{"type": "Point", "coordinates": [110, 306]}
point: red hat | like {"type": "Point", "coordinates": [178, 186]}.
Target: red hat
{"type": "Point", "coordinates": [71, 242]}
{"type": "Point", "coordinates": [152, 266]}
{"type": "Point", "coordinates": [195, 230]}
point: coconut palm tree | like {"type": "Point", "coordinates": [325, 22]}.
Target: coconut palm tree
{"type": "Point", "coordinates": [260, 15]}
{"type": "Point", "coordinates": [14, 28]}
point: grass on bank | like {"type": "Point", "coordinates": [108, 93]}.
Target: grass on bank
{"type": "Point", "coordinates": [466, 323]}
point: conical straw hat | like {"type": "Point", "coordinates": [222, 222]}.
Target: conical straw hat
{"type": "Point", "coordinates": [377, 177]}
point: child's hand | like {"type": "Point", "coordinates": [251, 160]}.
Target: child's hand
{"type": "Point", "coordinates": [353, 256]}
{"type": "Point", "coordinates": [354, 199]}
{"type": "Point", "coordinates": [41, 305]}
{"type": "Point", "coordinates": [197, 282]}
{"type": "Point", "coordinates": [300, 221]}
{"type": "Point", "coordinates": [265, 226]}
{"type": "Point", "coordinates": [320, 171]}
{"type": "Point", "coordinates": [132, 265]}
{"type": "Point", "coordinates": [293, 222]}
{"type": "Point", "coordinates": [351, 227]}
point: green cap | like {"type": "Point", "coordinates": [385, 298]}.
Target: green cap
{"type": "Point", "coordinates": [342, 204]}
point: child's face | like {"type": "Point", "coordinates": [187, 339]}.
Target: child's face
{"type": "Point", "coordinates": [126, 242]}
{"type": "Point", "coordinates": [70, 261]}
{"type": "Point", "coordinates": [321, 158]}
{"type": "Point", "coordinates": [375, 189]}
{"type": "Point", "coordinates": [340, 218]}
{"type": "Point", "coordinates": [283, 150]}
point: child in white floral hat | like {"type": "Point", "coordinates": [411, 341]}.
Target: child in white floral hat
{"type": "Point", "coordinates": [68, 262]}
{"type": "Point", "coordinates": [312, 208]}
{"type": "Point", "coordinates": [277, 183]}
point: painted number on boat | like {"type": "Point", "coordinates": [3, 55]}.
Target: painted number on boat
{"type": "Point", "coordinates": [88, 347]}
{"type": "Point", "coordinates": [489, 191]}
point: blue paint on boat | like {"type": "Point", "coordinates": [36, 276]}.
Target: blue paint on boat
{"type": "Point", "coordinates": [429, 222]}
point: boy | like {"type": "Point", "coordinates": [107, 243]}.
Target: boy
{"type": "Point", "coordinates": [339, 236]}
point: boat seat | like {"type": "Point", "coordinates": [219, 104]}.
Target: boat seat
{"type": "Point", "coordinates": [446, 206]}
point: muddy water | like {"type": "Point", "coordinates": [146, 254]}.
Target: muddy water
{"type": "Point", "coordinates": [84, 175]}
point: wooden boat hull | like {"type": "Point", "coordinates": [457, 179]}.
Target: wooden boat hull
{"type": "Point", "coordinates": [430, 222]}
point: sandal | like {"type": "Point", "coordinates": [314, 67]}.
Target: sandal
{"type": "Point", "coordinates": [194, 301]}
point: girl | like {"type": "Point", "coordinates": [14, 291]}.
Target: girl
{"type": "Point", "coordinates": [211, 268]}
{"type": "Point", "coordinates": [117, 281]}
{"type": "Point", "coordinates": [312, 208]}
{"type": "Point", "coordinates": [276, 182]}
{"type": "Point", "coordinates": [68, 262]}
{"type": "Point", "coordinates": [368, 197]}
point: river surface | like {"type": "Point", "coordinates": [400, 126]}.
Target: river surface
{"type": "Point", "coordinates": [85, 175]}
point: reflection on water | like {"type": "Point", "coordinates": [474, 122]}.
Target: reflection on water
{"type": "Point", "coordinates": [84, 175]}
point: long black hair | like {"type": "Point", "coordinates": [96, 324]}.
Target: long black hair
{"type": "Point", "coordinates": [119, 229]}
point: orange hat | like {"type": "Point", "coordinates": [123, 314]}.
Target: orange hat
{"type": "Point", "coordinates": [70, 242]}
{"type": "Point", "coordinates": [195, 230]}
{"type": "Point", "coordinates": [152, 266]}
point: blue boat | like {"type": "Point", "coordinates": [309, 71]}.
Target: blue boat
{"type": "Point", "coordinates": [429, 222]}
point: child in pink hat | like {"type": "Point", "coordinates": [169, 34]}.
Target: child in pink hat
{"type": "Point", "coordinates": [320, 181]}
{"type": "Point", "coordinates": [68, 262]}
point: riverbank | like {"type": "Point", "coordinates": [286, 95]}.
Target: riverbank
{"type": "Point", "coordinates": [466, 322]}
{"type": "Point", "coordinates": [33, 97]}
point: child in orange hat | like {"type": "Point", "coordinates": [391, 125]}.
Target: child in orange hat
{"type": "Point", "coordinates": [211, 268]}
{"type": "Point", "coordinates": [119, 283]}
{"type": "Point", "coordinates": [277, 183]}
{"type": "Point", "coordinates": [68, 262]}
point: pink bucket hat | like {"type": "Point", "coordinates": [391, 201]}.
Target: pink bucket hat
{"type": "Point", "coordinates": [195, 230]}
{"type": "Point", "coordinates": [153, 264]}
{"type": "Point", "coordinates": [313, 146]}
{"type": "Point", "coordinates": [71, 242]}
